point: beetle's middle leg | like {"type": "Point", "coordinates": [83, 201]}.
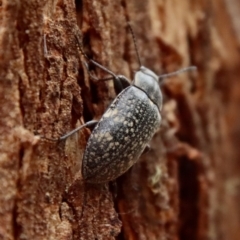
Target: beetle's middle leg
{"type": "Point", "coordinates": [65, 136]}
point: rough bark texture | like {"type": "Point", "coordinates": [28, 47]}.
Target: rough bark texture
{"type": "Point", "coordinates": [186, 187]}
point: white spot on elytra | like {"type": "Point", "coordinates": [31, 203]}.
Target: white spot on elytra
{"type": "Point", "coordinates": [107, 113]}
{"type": "Point", "coordinates": [114, 112]}
{"type": "Point", "coordinates": [130, 124]}
{"type": "Point", "coordinates": [117, 119]}
{"type": "Point", "coordinates": [110, 113]}
{"type": "Point", "coordinates": [108, 136]}
{"type": "Point", "coordinates": [111, 145]}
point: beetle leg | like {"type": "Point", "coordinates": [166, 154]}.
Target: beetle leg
{"type": "Point", "coordinates": [87, 124]}
{"type": "Point", "coordinates": [120, 82]}
{"type": "Point", "coordinates": [94, 77]}
{"type": "Point", "coordinates": [147, 149]}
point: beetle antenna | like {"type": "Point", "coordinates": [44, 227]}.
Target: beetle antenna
{"type": "Point", "coordinates": [135, 43]}
{"type": "Point", "coordinates": [162, 77]}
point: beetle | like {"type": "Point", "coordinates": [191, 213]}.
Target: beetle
{"type": "Point", "coordinates": [124, 130]}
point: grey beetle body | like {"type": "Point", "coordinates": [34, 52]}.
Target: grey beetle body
{"type": "Point", "coordinates": [124, 130]}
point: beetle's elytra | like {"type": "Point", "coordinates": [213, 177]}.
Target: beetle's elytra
{"type": "Point", "coordinates": [124, 130]}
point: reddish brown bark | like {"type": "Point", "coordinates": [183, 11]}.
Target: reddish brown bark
{"type": "Point", "coordinates": [186, 186]}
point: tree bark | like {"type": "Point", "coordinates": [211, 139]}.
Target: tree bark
{"type": "Point", "coordinates": [186, 186]}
